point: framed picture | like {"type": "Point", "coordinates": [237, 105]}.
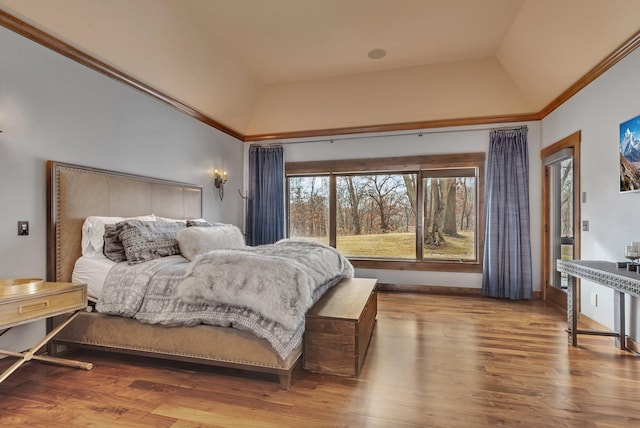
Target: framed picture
{"type": "Point", "coordinates": [630, 155]}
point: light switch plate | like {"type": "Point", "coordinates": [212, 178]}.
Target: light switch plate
{"type": "Point", "coordinates": [23, 228]}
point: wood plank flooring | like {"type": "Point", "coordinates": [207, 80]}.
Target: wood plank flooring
{"type": "Point", "coordinates": [434, 361]}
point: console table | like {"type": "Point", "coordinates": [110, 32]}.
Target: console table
{"type": "Point", "coordinates": [604, 273]}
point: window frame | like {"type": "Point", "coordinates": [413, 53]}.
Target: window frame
{"type": "Point", "coordinates": [399, 165]}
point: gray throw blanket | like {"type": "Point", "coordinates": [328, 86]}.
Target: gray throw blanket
{"type": "Point", "coordinates": [148, 292]}
{"type": "Point", "coordinates": [276, 281]}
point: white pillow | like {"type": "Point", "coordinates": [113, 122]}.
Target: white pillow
{"type": "Point", "coordinates": [196, 240]}
{"type": "Point", "coordinates": [93, 233]}
{"type": "Point", "coordinates": [171, 220]}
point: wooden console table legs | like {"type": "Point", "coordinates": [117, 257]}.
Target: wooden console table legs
{"type": "Point", "coordinates": [31, 354]}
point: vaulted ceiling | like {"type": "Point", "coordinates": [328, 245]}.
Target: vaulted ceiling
{"type": "Point", "coordinates": [264, 67]}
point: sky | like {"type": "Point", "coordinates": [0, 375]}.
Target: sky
{"type": "Point", "coordinates": [633, 125]}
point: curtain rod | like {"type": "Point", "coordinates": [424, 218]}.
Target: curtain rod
{"type": "Point", "coordinates": [509, 128]}
{"type": "Point", "coordinates": [405, 134]}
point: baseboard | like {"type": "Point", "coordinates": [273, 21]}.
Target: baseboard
{"type": "Point", "coordinates": [435, 289]}
{"type": "Point", "coordinates": [633, 346]}
{"type": "Point", "coordinates": [428, 289]}
{"type": "Point", "coordinates": [591, 323]}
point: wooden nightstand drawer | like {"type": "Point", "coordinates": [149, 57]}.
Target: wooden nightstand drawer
{"type": "Point", "coordinates": [52, 299]}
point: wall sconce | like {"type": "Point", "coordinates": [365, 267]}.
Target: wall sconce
{"type": "Point", "coordinates": [219, 181]}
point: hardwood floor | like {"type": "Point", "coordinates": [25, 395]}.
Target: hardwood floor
{"type": "Point", "coordinates": [434, 361]}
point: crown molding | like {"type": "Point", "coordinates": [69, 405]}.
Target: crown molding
{"type": "Point", "coordinates": [603, 66]}
{"type": "Point", "coordinates": [32, 33]}
{"type": "Point", "coordinates": [392, 127]}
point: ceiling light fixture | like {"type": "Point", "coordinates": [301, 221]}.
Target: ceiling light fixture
{"type": "Point", "coordinates": [377, 54]}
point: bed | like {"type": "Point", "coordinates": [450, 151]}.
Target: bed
{"type": "Point", "coordinates": [77, 192]}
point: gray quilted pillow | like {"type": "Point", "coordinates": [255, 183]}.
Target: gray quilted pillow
{"type": "Point", "coordinates": [148, 240]}
{"type": "Point", "coordinates": [113, 248]}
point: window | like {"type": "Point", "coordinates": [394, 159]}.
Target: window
{"type": "Point", "coordinates": [309, 208]}
{"type": "Point", "coordinates": [375, 216]}
{"type": "Point", "coordinates": [419, 213]}
{"type": "Point", "coordinates": [449, 214]}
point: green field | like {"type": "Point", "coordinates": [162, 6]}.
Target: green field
{"type": "Point", "coordinates": [402, 246]}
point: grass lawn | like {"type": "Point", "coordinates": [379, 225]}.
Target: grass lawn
{"type": "Point", "coordinates": [402, 246]}
{"type": "Point", "coordinates": [391, 245]}
{"type": "Point", "coordinates": [454, 247]}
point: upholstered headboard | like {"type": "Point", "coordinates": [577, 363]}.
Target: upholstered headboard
{"type": "Point", "coordinates": [75, 192]}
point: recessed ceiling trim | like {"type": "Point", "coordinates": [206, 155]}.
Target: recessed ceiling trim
{"type": "Point", "coordinates": [622, 51]}
{"type": "Point", "coordinates": [32, 33]}
{"type": "Point", "coordinates": [392, 127]}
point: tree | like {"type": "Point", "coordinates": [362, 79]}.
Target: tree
{"type": "Point", "coordinates": [412, 195]}
{"type": "Point", "coordinates": [386, 193]}
{"type": "Point", "coordinates": [566, 198]}
{"type": "Point", "coordinates": [439, 193]}
{"type": "Point", "coordinates": [465, 197]}
{"type": "Point", "coordinates": [308, 206]}
{"type": "Point", "coordinates": [317, 202]}
{"type": "Point", "coordinates": [450, 226]}
{"type": "Point", "coordinates": [354, 202]}
{"type": "Point", "coordinates": [377, 193]}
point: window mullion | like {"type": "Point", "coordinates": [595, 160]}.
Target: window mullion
{"type": "Point", "coordinates": [332, 210]}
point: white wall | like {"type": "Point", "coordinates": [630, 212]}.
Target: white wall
{"type": "Point", "coordinates": [54, 108]}
{"type": "Point", "coordinates": [157, 41]}
{"type": "Point", "coordinates": [597, 111]}
{"type": "Point", "coordinates": [433, 141]}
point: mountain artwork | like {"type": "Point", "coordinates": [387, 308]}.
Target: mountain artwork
{"type": "Point", "coordinates": [630, 155]}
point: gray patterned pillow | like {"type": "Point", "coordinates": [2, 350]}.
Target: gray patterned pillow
{"type": "Point", "coordinates": [148, 240]}
{"type": "Point", "coordinates": [113, 248]}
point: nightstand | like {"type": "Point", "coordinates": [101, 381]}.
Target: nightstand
{"type": "Point", "coordinates": [25, 301]}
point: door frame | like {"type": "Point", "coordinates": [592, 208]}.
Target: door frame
{"type": "Point", "coordinates": [550, 293]}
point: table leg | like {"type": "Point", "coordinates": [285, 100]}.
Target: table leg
{"type": "Point", "coordinates": [619, 319]}
{"type": "Point", "coordinates": [53, 360]}
{"type": "Point", "coordinates": [572, 311]}
{"type": "Point", "coordinates": [31, 353]}
{"type": "Point", "coordinates": [11, 369]}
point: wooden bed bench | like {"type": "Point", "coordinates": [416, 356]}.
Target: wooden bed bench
{"type": "Point", "coordinates": [339, 327]}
